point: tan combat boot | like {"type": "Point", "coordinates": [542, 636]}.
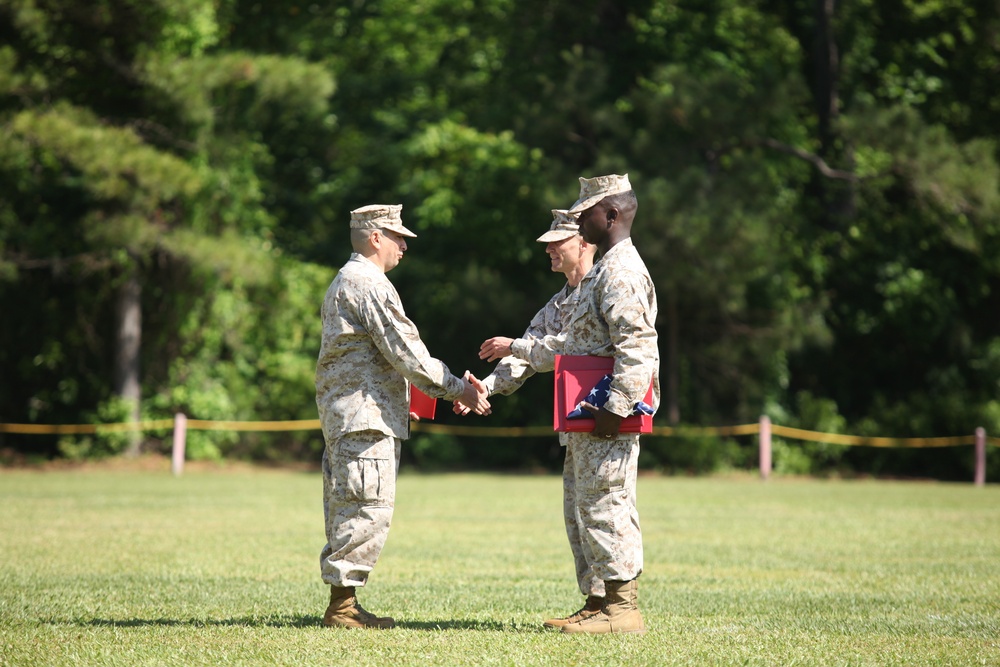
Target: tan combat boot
{"type": "Point", "coordinates": [346, 612]}
{"type": "Point", "coordinates": [620, 613]}
{"type": "Point", "coordinates": [591, 608]}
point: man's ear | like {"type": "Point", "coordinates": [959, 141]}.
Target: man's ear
{"type": "Point", "coordinates": [612, 214]}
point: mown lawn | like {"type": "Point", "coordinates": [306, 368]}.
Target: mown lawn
{"type": "Point", "coordinates": [221, 568]}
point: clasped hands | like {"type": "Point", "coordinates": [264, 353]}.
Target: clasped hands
{"type": "Point", "coordinates": [606, 423]}
{"type": "Point", "coordinates": [495, 348]}
{"type": "Point", "coordinates": [475, 396]}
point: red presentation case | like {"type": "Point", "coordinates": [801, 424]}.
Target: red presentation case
{"type": "Point", "coordinates": [421, 404]}
{"type": "Point", "coordinates": [575, 376]}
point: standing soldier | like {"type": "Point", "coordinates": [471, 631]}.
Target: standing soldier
{"type": "Point", "coordinates": [370, 354]}
{"type": "Point", "coordinates": [615, 317]}
{"type": "Point", "coordinates": [573, 257]}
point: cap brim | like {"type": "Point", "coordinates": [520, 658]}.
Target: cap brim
{"type": "Point", "coordinates": [582, 205]}
{"type": "Point", "coordinates": [400, 229]}
{"type": "Point", "coordinates": [556, 235]}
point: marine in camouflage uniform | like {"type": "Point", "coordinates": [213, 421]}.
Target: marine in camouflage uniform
{"type": "Point", "coordinates": [510, 373]}
{"type": "Point", "coordinates": [370, 353]}
{"type": "Point", "coordinates": [615, 317]}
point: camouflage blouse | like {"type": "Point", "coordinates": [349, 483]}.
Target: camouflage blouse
{"type": "Point", "coordinates": [614, 317]}
{"type": "Point", "coordinates": [369, 355]}
{"type": "Point", "coordinates": [511, 372]}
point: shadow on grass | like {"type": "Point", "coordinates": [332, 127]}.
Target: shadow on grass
{"type": "Point", "coordinates": [486, 626]}
{"type": "Point", "coordinates": [294, 621]}
{"type": "Point", "coordinates": [277, 621]}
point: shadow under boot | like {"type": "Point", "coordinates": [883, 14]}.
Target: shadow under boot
{"type": "Point", "coordinates": [345, 611]}
{"type": "Point", "coordinates": [620, 613]}
{"type": "Point", "coordinates": [591, 608]}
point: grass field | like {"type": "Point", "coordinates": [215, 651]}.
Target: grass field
{"type": "Point", "coordinates": [221, 568]}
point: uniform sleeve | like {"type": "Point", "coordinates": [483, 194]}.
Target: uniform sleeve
{"type": "Point", "coordinates": [397, 338]}
{"type": "Point", "coordinates": [629, 315]}
{"type": "Point", "coordinates": [539, 349]}
{"type": "Point", "coordinates": [540, 353]}
{"type": "Point", "coordinates": [511, 372]}
{"type": "Point", "coordinates": [508, 376]}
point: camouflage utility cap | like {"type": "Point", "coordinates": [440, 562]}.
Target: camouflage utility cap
{"type": "Point", "coordinates": [564, 225]}
{"type": "Point", "coordinates": [593, 190]}
{"type": "Point", "coordinates": [380, 216]}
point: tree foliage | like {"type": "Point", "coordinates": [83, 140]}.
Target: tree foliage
{"type": "Point", "coordinates": [130, 151]}
{"type": "Point", "coordinates": [818, 185]}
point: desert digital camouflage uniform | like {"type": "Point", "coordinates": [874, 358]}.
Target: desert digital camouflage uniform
{"type": "Point", "coordinates": [511, 372]}
{"type": "Point", "coordinates": [370, 353]}
{"type": "Point", "coordinates": [614, 317]}
{"type": "Point", "coordinates": [508, 376]}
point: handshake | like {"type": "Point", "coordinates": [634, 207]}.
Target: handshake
{"type": "Point", "coordinates": [491, 350]}
{"type": "Point", "coordinates": [606, 424]}
{"type": "Point", "coordinates": [474, 397]}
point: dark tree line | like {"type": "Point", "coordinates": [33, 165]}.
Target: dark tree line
{"type": "Point", "coordinates": [818, 184]}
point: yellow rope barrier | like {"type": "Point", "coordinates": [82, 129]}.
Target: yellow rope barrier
{"type": "Point", "coordinates": [838, 439]}
{"type": "Point", "coordinates": [291, 425]}
{"type": "Point", "coordinates": [74, 429]}
{"type": "Point", "coordinates": [742, 429]}
{"type": "Point", "coordinates": [490, 431]}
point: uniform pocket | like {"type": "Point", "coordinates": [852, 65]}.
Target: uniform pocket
{"type": "Point", "coordinates": [608, 460]}
{"type": "Point", "coordinates": [367, 463]}
{"type": "Point", "coordinates": [367, 480]}
{"type": "Point", "coordinates": [366, 445]}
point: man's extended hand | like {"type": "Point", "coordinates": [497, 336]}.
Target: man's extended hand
{"type": "Point", "coordinates": [495, 348]}
{"type": "Point", "coordinates": [474, 397]}
{"type": "Point", "coordinates": [606, 424]}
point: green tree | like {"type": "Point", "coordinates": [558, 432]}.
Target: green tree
{"type": "Point", "coordinates": [122, 172]}
{"type": "Point", "coordinates": [817, 184]}
{"type": "Point", "coordinates": [765, 139]}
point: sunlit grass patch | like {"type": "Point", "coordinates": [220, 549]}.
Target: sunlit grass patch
{"type": "Point", "coordinates": [120, 568]}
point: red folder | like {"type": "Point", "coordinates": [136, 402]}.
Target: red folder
{"type": "Point", "coordinates": [421, 404]}
{"type": "Point", "coordinates": [575, 376]}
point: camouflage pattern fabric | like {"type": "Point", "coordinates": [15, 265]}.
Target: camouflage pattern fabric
{"type": "Point", "coordinates": [593, 190]}
{"type": "Point", "coordinates": [602, 502]}
{"type": "Point", "coordinates": [508, 375]}
{"type": "Point", "coordinates": [369, 353]}
{"type": "Point", "coordinates": [511, 372]}
{"type": "Point", "coordinates": [586, 576]}
{"type": "Point", "coordinates": [359, 494]}
{"type": "Point", "coordinates": [614, 317]}
{"type": "Point", "coordinates": [380, 216]}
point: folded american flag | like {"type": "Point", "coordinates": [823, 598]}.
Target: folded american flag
{"type": "Point", "coordinates": [598, 396]}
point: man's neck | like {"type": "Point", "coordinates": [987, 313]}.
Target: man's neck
{"type": "Point", "coordinates": [374, 259]}
{"type": "Point", "coordinates": [579, 271]}
{"type": "Point", "coordinates": [611, 241]}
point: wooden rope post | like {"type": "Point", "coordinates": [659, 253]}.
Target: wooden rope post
{"type": "Point", "coordinates": [765, 447]}
{"type": "Point", "coordinates": [980, 456]}
{"type": "Point", "coordinates": [180, 441]}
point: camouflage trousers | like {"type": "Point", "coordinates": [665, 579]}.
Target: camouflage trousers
{"type": "Point", "coordinates": [359, 494]}
{"type": "Point", "coordinates": [599, 508]}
